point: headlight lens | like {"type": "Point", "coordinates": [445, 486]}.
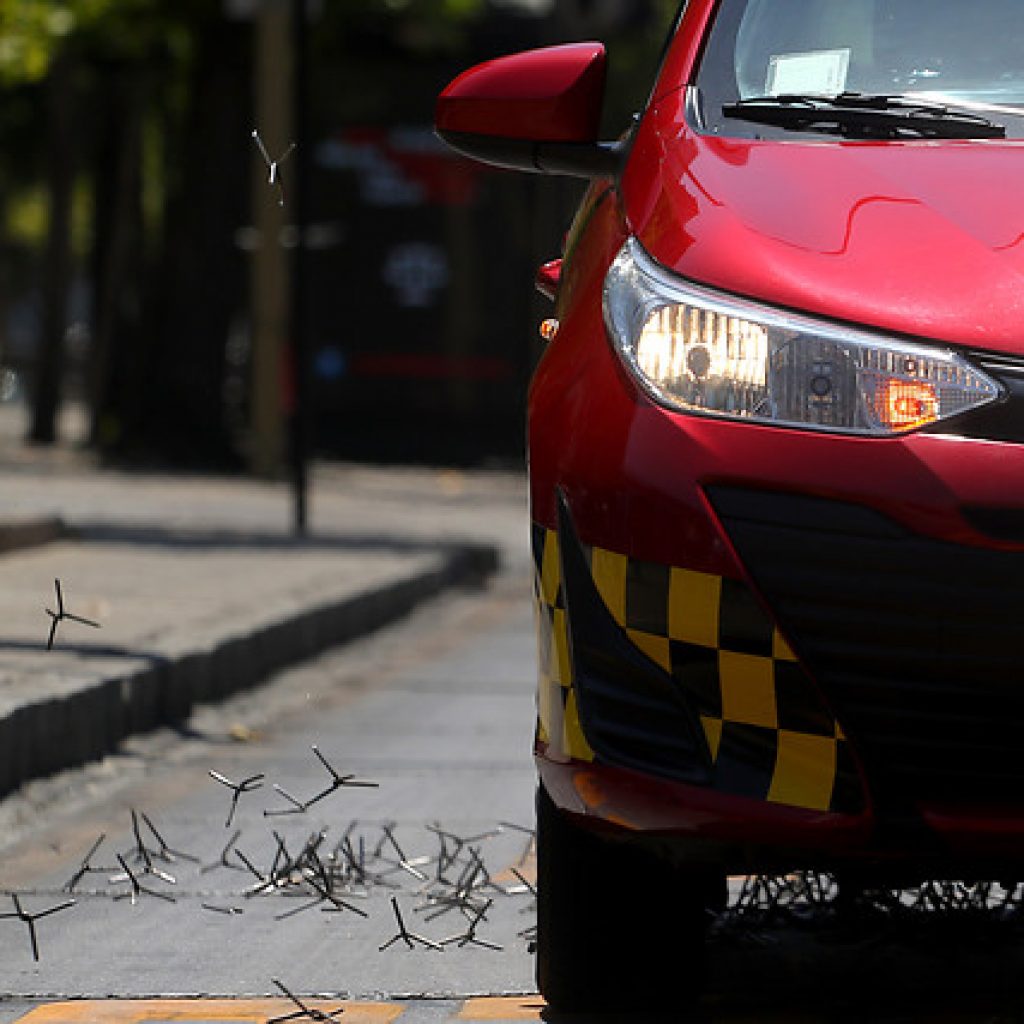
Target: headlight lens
{"type": "Point", "coordinates": [701, 351]}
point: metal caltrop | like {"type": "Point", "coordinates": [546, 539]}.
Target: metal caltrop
{"type": "Point", "coordinates": [30, 919]}
{"type": "Point", "coordinates": [304, 1011]}
{"type": "Point", "coordinates": [60, 614]}
{"type": "Point", "coordinates": [273, 177]}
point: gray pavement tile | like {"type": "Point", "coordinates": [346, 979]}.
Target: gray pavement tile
{"type": "Point", "coordinates": [200, 590]}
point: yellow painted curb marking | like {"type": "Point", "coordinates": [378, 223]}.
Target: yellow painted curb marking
{"type": "Point", "coordinates": [250, 1011]}
{"type": "Point", "coordinates": [503, 1008]}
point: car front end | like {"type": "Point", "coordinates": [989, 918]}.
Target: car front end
{"type": "Point", "coordinates": [776, 455]}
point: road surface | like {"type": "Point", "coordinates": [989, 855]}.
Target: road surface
{"type": "Point", "coordinates": [436, 713]}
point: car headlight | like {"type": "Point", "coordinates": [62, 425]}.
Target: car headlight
{"type": "Point", "coordinates": [702, 351]}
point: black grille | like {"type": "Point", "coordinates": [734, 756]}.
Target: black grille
{"type": "Point", "coordinates": [917, 644]}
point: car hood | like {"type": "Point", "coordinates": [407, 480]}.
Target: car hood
{"type": "Point", "coordinates": [921, 238]}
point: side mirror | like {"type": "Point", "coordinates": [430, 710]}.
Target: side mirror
{"type": "Point", "coordinates": [535, 111]}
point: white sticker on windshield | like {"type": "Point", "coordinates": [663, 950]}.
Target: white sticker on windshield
{"type": "Point", "coordinates": [818, 73]}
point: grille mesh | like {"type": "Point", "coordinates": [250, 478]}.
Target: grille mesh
{"type": "Point", "coordinates": [917, 644]}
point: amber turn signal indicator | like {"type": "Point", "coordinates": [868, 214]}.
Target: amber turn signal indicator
{"type": "Point", "coordinates": [904, 404]}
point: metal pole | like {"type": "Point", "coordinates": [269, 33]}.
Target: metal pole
{"type": "Point", "coordinates": [270, 261]}
{"type": "Point", "coordinates": [300, 411]}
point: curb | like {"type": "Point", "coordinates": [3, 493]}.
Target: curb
{"type": "Point", "coordinates": [16, 534]}
{"type": "Point", "coordinates": [50, 735]}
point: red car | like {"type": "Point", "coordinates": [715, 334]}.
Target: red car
{"type": "Point", "coordinates": [776, 464]}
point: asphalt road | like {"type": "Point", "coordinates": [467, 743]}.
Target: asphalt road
{"type": "Point", "coordinates": [438, 712]}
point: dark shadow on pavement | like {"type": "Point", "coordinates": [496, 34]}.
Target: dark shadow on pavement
{"type": "Point", "coordinates": [85, 650]}
{"type": "Point", "coordinates": [161, 536]}
{"type": "Point", "coordinates": [952, 972]}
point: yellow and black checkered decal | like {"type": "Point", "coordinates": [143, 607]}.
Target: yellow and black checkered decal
{"type": "Point", "coordinates": [768, 731]}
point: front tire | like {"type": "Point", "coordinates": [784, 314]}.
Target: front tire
{"type": "Point", "coordinates": [617, 926]}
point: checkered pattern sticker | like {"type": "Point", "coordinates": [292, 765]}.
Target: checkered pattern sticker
{"type": "Point", "coordinates": [770, 735]}
{"type": "Point", "coordinates": [558, 721]}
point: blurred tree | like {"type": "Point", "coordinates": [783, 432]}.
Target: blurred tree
{"type": "Point", "coordinates": [55, 47]}
{"type": "Point", "coordinates": [33, 47]}
{"type": "Point", "coordinates": [199, 274]}
{"type": "Point", "coordinates": [141, 73]}
{"type": "Point", "coordinates": [39, 46]}
{"type": "Point", "coordinates": [170, 162]}
{"type": "Point", "coordinates": [60, 167]}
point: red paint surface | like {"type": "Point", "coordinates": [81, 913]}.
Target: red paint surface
{"type": "Point", "coordinates": [548, 275]}
{"type": "Point", "coordinates": [550, 95]}
{"type": "Point", "coordinates": [644, 803]}
{"type": "Point", "coordinates": [919, 238]}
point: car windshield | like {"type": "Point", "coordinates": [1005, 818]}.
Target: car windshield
{"type": "Point", "coordinates": [965, 54]}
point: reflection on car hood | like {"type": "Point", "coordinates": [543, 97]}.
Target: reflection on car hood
{"type": "Point", "coordinates": [923, 238]}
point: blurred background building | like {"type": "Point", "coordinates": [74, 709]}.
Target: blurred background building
{"type": "Point", "coordinates": [147, 260]}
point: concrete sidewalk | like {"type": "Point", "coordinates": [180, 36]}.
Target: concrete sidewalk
{"type": "Point", "coordinates": [200, 589]}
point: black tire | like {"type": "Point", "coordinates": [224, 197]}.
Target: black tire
{"type": "Point", "coordinates": [617, 926]}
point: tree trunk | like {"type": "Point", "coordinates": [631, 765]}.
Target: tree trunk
{"type": "Point", "coordinates": [57, 261]}
{"type": "Point", "coordinates": [171, 386]}
{"type": "Point", "coordinates": [118, 252]}
{"type": "Point", "coordinates": [205, 271]}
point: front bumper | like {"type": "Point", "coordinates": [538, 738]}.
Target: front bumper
{"type": "Point", "coordinates": [671, 703]}
{"type": "Point", "coordinates": [681, 674]}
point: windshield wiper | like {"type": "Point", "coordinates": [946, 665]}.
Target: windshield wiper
{"type": "Point", "coordinates": [863, 115]}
